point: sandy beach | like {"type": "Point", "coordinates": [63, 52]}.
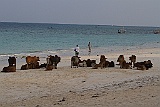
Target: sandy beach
{"type": "Point", "coordinates": [84, 86]}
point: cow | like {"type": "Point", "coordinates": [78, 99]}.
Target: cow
{"type": "Point", "coordinates": [75, 61]}
{"type": "Point", "coordinates": [82, 63]}
{"type": "Point", "coordinates": [25, 67]}
{"type": "Point", "coordinates": [120, 60]}
{"type": "Point", "coordinates": [90, 63]}
{"type": "Point", "coordinates": [29, 66]}
{"type": "Point", "coordinates": [54, 60]}
{"type": "Point", "coordinates": [101, 64]}
{"type": "Point", "coordinates": [33, 61]}
{"type": "Point", "coordinates": [148, 64]}
{"type": "Point", "coordinates": [12, 65]}
{"type": "Point", "coordinates": [145, 65]}
{"type": "Point", "coordinates": [133, 60]}
{"type": "Point", "coordinates": [141, 67]}
{"type": "Point", "coordinates": [126, 65]}
{"type": "Point", "coordinates": [43, 65]}
{"type": "Point", "coordinates": [110, 64]}
{"type": "Point", "coordinates": [12, 61]}
{"type": "Point", "coordinates": [9, 69]}
{"type": "Point", "coordinates": [49, 67]}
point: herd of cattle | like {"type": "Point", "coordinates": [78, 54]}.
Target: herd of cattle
{"type": "Point", "coordinates": [145, 65]}
{"type": "Point", "coordinates": [32, 62]}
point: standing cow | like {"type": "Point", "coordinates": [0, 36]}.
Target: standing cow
{"type": "Point", "coordinates": [55, 60]}
{"type": "Point", "coordinates": [12, 61]}
{"type": "Point", "coordinates": [33, 61]}
{"type": "Point", "coordinates": [52, 62]}
{"type": "Point", "coordinates": [133, 60]}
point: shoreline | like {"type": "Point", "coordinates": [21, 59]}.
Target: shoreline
{"type": "Point", "coordinates": [95, 54]}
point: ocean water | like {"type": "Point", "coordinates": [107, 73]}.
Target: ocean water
{"type": "Point", "coordinates": [42, 39]}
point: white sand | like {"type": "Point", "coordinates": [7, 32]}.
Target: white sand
{"type": "Point", "coordinates": [85, 87]}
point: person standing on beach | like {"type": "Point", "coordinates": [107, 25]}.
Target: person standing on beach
{"type": "Point", "coordinates": [76, 50]}
{"type": "Point", "coordinates": [89, 47]}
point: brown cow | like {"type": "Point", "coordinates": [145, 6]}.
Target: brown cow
{"type": "Point", "coordinates": [49, 67]}
{"type": "Point", "coordinates": [33, 61]}
{"type": "Point", "coordinates": [126, 65]}
{"type": "Point", "coordinates": [120, 60]}
{"type": "Point", "coordinates": [101, 64]}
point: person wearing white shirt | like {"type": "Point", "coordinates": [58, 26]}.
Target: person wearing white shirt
{"type": "Point", "coordinates": [76, 50]}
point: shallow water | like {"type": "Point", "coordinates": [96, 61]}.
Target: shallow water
{"type": "Point", "coordinates": [22, 39]}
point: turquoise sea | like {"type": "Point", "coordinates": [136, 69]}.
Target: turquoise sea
{"type": "Point", "coordinates": [21, 39]}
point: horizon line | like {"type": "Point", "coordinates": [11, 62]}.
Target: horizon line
{"type": "Point", "coordinates": [74, 24]}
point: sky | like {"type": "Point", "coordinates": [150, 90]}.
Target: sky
{"type": "Point", "coordinates": [99, 12]}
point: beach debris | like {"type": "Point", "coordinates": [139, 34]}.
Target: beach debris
{"type": "Point", "coordinates": [83, 81]}
{"type": "Point", "coordinates": [37, 105]}
{"type": "Point", "coordinates": [95, 96]}
{"type": "Point", "coordinates": [63, 99]}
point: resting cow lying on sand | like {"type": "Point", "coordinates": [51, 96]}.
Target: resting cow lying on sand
{"type": "Point", "coordinates": [144, 65]}
{"type": "Point", "coordinates": [120, 60]}
{"type": "Point", "coordinates": [102, 63]}
{"type": "Point", "coordinates": [12, 65]}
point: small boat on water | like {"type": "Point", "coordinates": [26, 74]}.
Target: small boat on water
{"type": "Point", "coordinates": [122, 30]}
{"type": "Point", "coordinates": [156, 31]}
